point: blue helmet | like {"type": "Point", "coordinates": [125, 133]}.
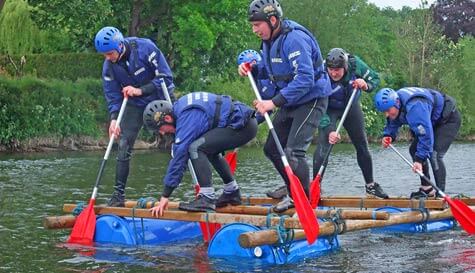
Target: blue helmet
{"type": "Point", "coordinates": [385, 99]}
{"type": "Point", "coordinates": [108, 39]}
{"type": "Point", "coordinates": [248, 56]}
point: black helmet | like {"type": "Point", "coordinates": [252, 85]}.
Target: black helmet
{"type": "Point", "coordinates": [262, 10]}
{"type": "Point", "coordinates": [337, 58]}
{"type": "Point", "coordinates": [154, 114]}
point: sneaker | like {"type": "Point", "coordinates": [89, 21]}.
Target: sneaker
{"type": "Point", "coordinates": [376, 191]}
{"type": "Point", "coordinates": [285, 204]}
{"type": "Point", "coordinates": [279, 193]}
{"type": "Point", "coordinates": [117, 200]}
{"type": "Point", "coordinates": [232, 198]}
{"type": "Point", "coordinates": [429, 193]}
{"type": "Point", "coordinates": [200, 204]}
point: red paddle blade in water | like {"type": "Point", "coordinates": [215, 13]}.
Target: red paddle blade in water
{"type": "Point", "coordinates": [231, 158]}
{"type": "Point", "coordinates": [463, 214]}
{"type": "Point", "coordinates": [315, 191]}
{"type": "Point", "coordinates": [85, 226]}
{"type": "Point", "coordinates": [302, 206]}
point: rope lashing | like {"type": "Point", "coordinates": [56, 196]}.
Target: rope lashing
{"type": "Point", "coordinates": [78, 209]}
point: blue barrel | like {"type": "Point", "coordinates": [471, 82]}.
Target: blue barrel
{"type": "Point", "coordinates": [112, 229]}
{"type": "Point", "coordinates": [225, 245]}
{"type": "Point", "coordinates": [426, 226]}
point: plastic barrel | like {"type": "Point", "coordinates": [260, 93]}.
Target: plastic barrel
{"type": "Point", "coordinates": [225, 245]}
{"type": "Point", "coordinates": [112, 229]}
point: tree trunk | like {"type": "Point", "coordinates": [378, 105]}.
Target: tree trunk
{"type": "Point", "coordinates": [2, 2]}
{"type": "Point", "coordinates": [135, 15]}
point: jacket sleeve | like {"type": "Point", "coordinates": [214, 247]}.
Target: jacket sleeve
{"type": "Point", "coordinates": [418, 118]}
{"type": "Point", "coordinates": [112, 90]}
{"type": "Point", "coordinates": [191, 124]}
{"type": "Point", "coordinates": [392, 128]}
{"type": "Point", "coordinates": [298, 51]}
{"type": "Point", "coordinates": [157, 61]}
{"type": "Point", "coordinates": [365, 72]}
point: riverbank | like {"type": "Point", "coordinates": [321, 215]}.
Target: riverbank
{"type": "Point", "coordinates": [87, 143]}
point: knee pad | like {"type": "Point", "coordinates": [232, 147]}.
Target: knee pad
{"type": "Point", "coordinates": [193, 149]}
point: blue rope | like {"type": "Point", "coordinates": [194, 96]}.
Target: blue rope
{"type": "Point", "coordinates": [285, 235]}
{"type": "Point", "coordinates": [78, 209]}
{"type": "Point", "coordinates": [142, 202]}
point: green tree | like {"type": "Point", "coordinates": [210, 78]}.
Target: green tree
{"type": "Point", "coordinates": [18, 33]}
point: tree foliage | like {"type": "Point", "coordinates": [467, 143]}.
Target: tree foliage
{"type": "Point", "coordinates": [456, 17]}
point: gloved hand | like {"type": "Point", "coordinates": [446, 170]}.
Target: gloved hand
{"type": "Point", "coordinates": [386, 141]}
{"type": "Point", "coordinates": [244, 68]}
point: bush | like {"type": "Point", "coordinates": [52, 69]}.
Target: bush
{"type": "Point", "coordinates": [33, 108]}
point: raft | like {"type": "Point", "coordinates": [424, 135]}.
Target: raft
{"type": "Point", "coordinates": [253, 234]}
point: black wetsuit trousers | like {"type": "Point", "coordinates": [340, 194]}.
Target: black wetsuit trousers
{"type": "Point", "coordinates": [209, 148]}
{"type": "Point", "coordinates": [355, 126]}
{"type": "Point", "coordinates": [444, 135]}
{"type": "Point", "coordinates": [295, 128]}
{"type": "Point", "coordinates": [130, 126]}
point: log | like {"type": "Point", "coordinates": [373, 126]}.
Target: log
{"type": "Point", "coordinates": [270, 236]}
{"type": "Point", "coordinates": [260, 210]}
{"type": "Point", "coordinates": [220, 218]}
{"type": "Point", "coordinates": [363, 202]}
{"type": "Point", "coordinates": [59, 222]}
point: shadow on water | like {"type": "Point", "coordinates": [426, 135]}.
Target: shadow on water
{"type": "Point", "coordinates": [36, 185]}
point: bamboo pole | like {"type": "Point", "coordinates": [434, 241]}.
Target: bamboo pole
{"type": "Point", "coordinates": [261, 210]}
{"type": "Point", "coordinates": [221, 218]}
{"type": "Point", "coordinates": [270, 236]}
{"type": "Point", "coordinates": [362, 202]}
{"type": "Point", "coordinates": [67, 221]}
{"type": "Point", "coordinates": [59, 222]}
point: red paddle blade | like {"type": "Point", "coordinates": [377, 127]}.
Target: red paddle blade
{"type": "Point", "coordinates": [302, 206]}
{"type": "Point", "coordinates": [315, 191]}
{"type": "Point", "coordinates": [85, 226]}
{"type": "Point", "coordinates": [231, 158]}
{"type": "Point", "coordinates": [208, 230]}
{"type": "Point", "coordinates": [463, 214]}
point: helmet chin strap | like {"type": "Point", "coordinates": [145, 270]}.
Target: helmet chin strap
{"type": "Point", "coordinates": [272, 28]}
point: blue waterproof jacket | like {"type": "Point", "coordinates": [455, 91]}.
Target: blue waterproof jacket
{"type": "Point", "coordinates": [139, 67]}
{"type": "Point", "coordinates": [421, 109]}
{"type": "Point", "coordinates": [195, 114]}
{"type": "Point", "coordinates": [294, 65]}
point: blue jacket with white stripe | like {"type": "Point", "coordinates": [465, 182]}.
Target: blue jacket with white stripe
{"type": "Point", "coordinates": [140, 67]}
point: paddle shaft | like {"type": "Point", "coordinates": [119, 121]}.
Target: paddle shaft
{"type": "Point", "coordinates": [340, 124]}
{"type": "Point", "coordinates": [108, 150]}
{"type": "Point", "coordinates": [419, 172]}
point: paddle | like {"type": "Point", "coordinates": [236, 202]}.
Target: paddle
{"type": "Point", "coordinates": [315, 184]}
{"type": "Point", "coordinates": [302, 206]}
{"type": "Point", "coordinates": [461, 212]}
{"type": "Point", "coordinates": [83, 230]}
{"type": "Point", "coordinates": [207, 229]}
{"type": "Point", "coordinates": [231, 158]}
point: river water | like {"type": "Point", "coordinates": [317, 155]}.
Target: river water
{"type": "Point", "coordinates": [36, 185]}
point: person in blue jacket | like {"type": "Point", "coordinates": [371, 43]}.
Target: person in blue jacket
{"type": "Point", "coordinates": [205, 125]}
{"type": "Point", "coordinates": [132, 66]}
{"type": "Point", "coordinates": [348, 72]}
{"type": "Point", "coordinates": [293, 64]}
{"type": "Point", "coordinates": [434, 122]}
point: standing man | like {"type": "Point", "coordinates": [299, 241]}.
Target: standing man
{"type": "Point", "coordinates": [434, 122]}
{"type": "Point", "coordinates": [293, 63]}
{"type": "Point", "coordinates": [205, 125]}
{"type": "Point", "coordinates": [132, 66]}
{"type": "Point", "coordinates": [346, 73]}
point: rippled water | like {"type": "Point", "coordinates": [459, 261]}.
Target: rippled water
{"type": "Point", "coordinates": [36, 185]}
